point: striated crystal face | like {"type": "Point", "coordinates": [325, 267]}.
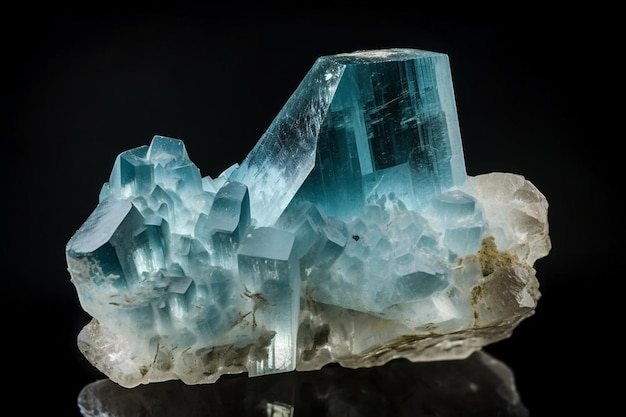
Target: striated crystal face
{"type": "Point", "coordinates": [351, 233]}
{"type": "Point", "coordinates": [360, 125]}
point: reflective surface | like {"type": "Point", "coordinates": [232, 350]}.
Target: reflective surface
{"type": "Point", "coordinates": [477, 386]}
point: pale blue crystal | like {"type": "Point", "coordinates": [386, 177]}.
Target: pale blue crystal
{"type": "Point", "coordinates": [359, 125]}
{"type": "Point", "coordinates": [285, 155]}
{"type": "Point", "coordinates": [226, 223]}
{"type": "Point", "coordinates": [390, 128]}
{"type": "Point", "coordinates": [268, 270]}
{"type": "Point", "coordinates": [349, 230]}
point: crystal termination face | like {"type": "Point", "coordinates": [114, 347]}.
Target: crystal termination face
{"type": "Point", "coordinates": [350, 234]}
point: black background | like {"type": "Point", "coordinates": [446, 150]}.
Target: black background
{"type": "Point", "coordinates": [81, 86]}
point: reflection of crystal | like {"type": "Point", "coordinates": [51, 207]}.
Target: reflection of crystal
{"type": "Point", "coordinates": [350, 234]}
{"type": "Point", "coordinates": [476, 386]}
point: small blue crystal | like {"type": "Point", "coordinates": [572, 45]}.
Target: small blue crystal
{"type": "Point", "coordinates": [349, 230]}
{"type": "Point", "coordinates": [268, 270]}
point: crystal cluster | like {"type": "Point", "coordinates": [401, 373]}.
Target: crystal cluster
{"type": "Point", "coordinates": [351, 233]}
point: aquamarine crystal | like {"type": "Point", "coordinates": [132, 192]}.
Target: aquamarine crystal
{"type": "Point", "coordinates": [351, 233]}
{"type": "Point", "coordinates": [359, 126]}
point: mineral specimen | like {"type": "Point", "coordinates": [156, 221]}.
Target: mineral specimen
{"type": "Point", "coordinates": [350, 234]}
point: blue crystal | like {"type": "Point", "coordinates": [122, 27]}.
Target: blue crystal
{"type": "Point", "coordinates": [360, 125]}
{"type": "Point", "coordinates": [350, 226]}
{"type": "Point", "coordinates": [224, 226]}
{"type": "Point", "coordinates": [268, 270]}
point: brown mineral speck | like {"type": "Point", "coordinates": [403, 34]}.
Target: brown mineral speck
{"type": "Point", "coordinates": [491, 258]}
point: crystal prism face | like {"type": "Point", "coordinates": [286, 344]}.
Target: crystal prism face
{"type": "Point", "coordinates": [350, 234]}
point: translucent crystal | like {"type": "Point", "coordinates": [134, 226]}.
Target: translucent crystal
{"type": "Point", "coordinates": [351, 233]}
{"type": "Point", "coordinates": [358, 126]}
